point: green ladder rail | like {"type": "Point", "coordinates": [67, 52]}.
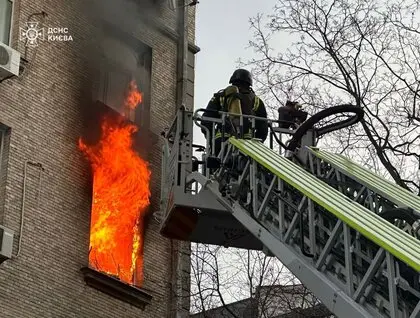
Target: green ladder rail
{"type": "Point", "coordinates": [385, 188]}
{"type": "Point", "coordinates": [392, 239]}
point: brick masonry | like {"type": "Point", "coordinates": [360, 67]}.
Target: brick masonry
{"type": "Point", "coordinates": [45, 109]}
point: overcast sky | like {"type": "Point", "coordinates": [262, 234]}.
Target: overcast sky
{"type": "Point", "coordinates": [222, 33]}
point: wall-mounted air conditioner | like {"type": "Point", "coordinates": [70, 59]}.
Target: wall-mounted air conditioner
{"type": "Point", "coordinates": [6, 243]}
{"type": "Point", "coordinates": [9, 61]}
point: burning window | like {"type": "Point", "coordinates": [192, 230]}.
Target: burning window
{"type": "Point", "coordinates": [112, 83]}
{"type": "Point", "coordinates": [120, 194]}
{"type": "Point", "coordinates": [120, 62]}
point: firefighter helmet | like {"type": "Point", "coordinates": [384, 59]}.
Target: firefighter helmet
{"type": "Point", "coordinates": [241, 75]}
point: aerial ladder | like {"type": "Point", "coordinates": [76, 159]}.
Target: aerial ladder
{"type": "Point", "coordinates": [347, 234]}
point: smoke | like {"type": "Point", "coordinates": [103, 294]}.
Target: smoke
{"type": "Point", "coordinates": [113, 18]}
{"type": "Point", "coordinates": [125, 14]}
{"type": "Point", "coordinates": [114, 22]}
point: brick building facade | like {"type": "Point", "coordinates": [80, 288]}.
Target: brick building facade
{"type": "Point", "coordinates": [43, 112]}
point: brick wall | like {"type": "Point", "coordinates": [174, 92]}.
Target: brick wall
{"type": "Point", "coordinates": [45, 110]}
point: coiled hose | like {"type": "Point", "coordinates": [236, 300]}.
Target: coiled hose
{"type": "Point", "coordinates": [309, 124]}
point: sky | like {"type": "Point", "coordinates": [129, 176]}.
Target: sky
{"type": "Point", "coordinates": [222, 33]}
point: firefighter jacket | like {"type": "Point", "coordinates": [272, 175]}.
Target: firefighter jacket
{"type": "Point", "coordinates": [251, 104]}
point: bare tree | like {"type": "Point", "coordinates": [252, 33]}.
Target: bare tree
{"type": "Point", "coordinates": [363, 52]}
{"type": "Point", "coordinates": [240, 283]}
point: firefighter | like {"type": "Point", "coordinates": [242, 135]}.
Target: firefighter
{"type": "Point", "coordinates": [291, 115]}
{"type": "Point", "coordinates": [238, 98]}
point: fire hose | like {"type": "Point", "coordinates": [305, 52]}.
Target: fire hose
{"type": "Point", "coordinates": [319, 131]}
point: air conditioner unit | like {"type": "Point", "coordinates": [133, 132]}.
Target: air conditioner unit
{"type": "Point", "coordinates": [9, 61]}
{"type": "Point", "coordinates": [6, 243]}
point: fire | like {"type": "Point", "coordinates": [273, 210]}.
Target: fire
{"type": "Point", "coordinates": [134, 96]}
{"type": "Point", "coordinates": [120, 197]}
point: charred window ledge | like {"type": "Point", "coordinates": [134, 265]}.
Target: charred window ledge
{"type": "Point", "coordinates": [116, 288]}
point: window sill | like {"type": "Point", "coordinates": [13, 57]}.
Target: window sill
{"type": "Point", "coordinates": [116, 288]}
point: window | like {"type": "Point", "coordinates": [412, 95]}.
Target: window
{"type": "Point", "coordinates": [121, 63]}
{"type": "Point", "coordinates": [112, 86]}
{"type": "Point", "coordinates": [4, 154]}
{"type": "Point", "coordinates": [6, 9]}
{"type": "Point", "coordinates": [114, 237]}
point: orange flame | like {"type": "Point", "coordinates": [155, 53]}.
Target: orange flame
{"type": "Point", "coordinates": [120, 197]}
{"type": "Point", "coordinates": [134, 96]}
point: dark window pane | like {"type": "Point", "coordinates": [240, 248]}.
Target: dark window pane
{"type": "Point", "coordinates": [5, 20]}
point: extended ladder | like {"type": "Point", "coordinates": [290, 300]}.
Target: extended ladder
{"type": "Point", "coordinates": [356, 262]}
{"type": "Point", "coordinates": [373, 191]}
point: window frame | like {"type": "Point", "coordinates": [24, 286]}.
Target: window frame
{"type": "Point", "coordinates": [11, 28]}
{"type": "Point", "coordinates": [106, 66]}
{"type": "Point", "coordinates": [104, 83]}
{"type": "Point", "coordinates": [2, 145]}
{"type": "Point", "coordinates": [144, 55]}
{"type": "Point", "coordinates": [5, 132]}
